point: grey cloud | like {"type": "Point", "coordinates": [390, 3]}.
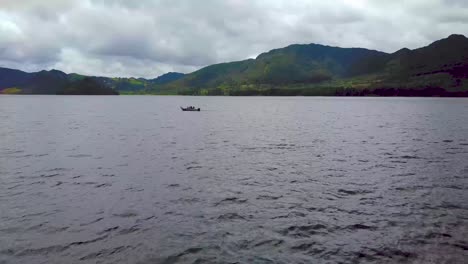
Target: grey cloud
{"type": "Point", "coordinates": [149, 37]}
{"type": "Point", "coordinates": [459, 3]}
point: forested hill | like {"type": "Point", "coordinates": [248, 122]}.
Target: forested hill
{"type": "Point", "coordinates": [439, 69]}
{"type": "Point", "coordinates": [50, 82]}
{"type": "Point", "coordinates": [57, 82]}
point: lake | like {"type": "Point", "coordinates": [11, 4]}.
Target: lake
{"type": "Point", "coordinates": [133, 179]}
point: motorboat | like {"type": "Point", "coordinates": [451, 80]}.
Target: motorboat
{"type": "Point", "coordinates": [190, 108]}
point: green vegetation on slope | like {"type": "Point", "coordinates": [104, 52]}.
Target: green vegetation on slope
{"type": "Point", "coordinates": [57, 82]}
{"type": "Point", "coordinates": [440, 69]}
{"type": "Point", "coordinates": [11, 90]}
{"type": "Point", "coordinates": [87, 86]}
{"type": "Point", "coordinates": [50, 82]}
{"type": "Point", "coordinates": [321, 70]}
{"type": "Point", "coordinates": [295, 64]}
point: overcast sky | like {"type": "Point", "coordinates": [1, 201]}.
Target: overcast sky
{"type": "Point", "coordinates": [146, 38]}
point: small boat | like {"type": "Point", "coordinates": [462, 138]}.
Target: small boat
{"type": "Point", "coordinates": [190, 108]}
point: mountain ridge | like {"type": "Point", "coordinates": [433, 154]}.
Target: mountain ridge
{"type": "Point", "coordinates": [57, 82]}
{"type": "Point", "coordinates": [439, 69]}
{"type": "Point", "coordinates": [442, 65]}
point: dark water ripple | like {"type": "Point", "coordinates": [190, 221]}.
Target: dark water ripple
{"type": "Point", "coordinates": [249, 180]}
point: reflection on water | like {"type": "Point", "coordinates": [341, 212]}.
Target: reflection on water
{"type": "Point", "coordinates": [133, 179]}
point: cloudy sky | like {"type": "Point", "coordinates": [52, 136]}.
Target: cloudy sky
{"type": "Point", "coordinates": [146, 38]}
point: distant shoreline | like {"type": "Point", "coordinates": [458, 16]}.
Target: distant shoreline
{"type": "Point", "coordinates": [178, 95]}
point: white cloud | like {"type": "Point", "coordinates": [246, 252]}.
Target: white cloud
{"type": "Point", "coordinates": [149, 37]}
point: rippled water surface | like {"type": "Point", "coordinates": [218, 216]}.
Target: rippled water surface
{"type": "Point", "coordinates": [132, 179]}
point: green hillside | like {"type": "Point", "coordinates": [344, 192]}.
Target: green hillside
{"type": "Point", "coordinates": [50, 82]}
{"type": "Point", "coordinates": [293, 65]}
{"type": "Point", "coordinates": [439, 68]}
{"type": "Point", "coordinates": [57, 82]}
{"type": "Point", "coordinates": [87, 86]}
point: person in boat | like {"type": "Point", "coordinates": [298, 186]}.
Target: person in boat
{"type": "Point", "coordinates": [192, 108]}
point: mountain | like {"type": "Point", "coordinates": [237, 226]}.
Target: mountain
{"type": "Point", "coordinates": [448, 55]}
{"type": "Point", "coordinates": [57, 82]}
{"type": "Point", "coordinates": [88, 86]}
{"type": "Point", "coordinates": [167, 77]}
{"type": "Point", "coordinates": [43, 82]}
{"type": "Point", "coordinates": [310, 63]}
{"type": "Point", "coordinates": [438, 69]}
{"type": "Point", "coordinates": [50, 82]}
{"type": "Point", "coordinates": [139, 85]}
{"type": "Point", "coordinates": [10, 77]}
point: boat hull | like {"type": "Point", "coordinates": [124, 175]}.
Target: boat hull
{"type": "Point", "coordinates": [190, 110]}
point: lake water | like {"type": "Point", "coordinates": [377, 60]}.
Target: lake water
{"type": "Point", "coordinates": [132, 179]}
